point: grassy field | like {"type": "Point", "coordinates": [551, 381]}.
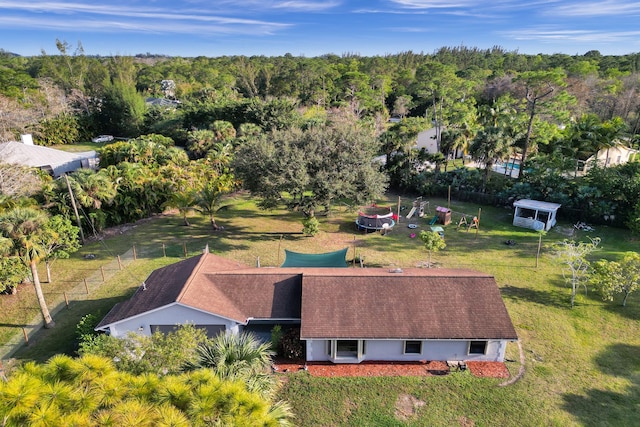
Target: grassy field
{"type": "Point", "coordinates": [582, 364]}
{"type": "Point", "coordinates": [80, 147]}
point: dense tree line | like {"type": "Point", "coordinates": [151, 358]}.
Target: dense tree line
{"type": "Point", "coordinates": [304, 131]}
{"type": "Point", "coordinates": [106, 94]}
{"type": "Point", "coordinates": [487, 103]}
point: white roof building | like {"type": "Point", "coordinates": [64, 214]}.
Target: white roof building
{"type": "Point", "coordinates": [56, 162]}
{"type": "Point", "coordinates": [535, 214]}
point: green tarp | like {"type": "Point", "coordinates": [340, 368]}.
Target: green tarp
{"type": "Point", "coordinates": [329, 259]}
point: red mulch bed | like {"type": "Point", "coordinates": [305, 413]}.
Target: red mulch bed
{"type": "Point", "coordinates": [390, 369]}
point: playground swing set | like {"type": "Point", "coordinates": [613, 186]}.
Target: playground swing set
{"type": "Point", "coordinates": [443, 215]}
{"type": "Point", "coordinates": [473, 223]}
{"type": "Point", "coordinates": [419, 205]}
{"type": "Point", "coordinates": [383, 219]}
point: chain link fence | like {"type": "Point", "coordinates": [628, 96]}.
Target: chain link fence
{"type": "Point", "coordinates": [57, 301]}
{"type": "Point", "coordinates": [87, 287]}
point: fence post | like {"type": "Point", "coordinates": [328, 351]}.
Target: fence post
{"type": "Point", "coordinates": [539, 247]}
{"type": "Point", "coordinates": [164, 250]}
{"type": "Point", "coordinates": [184, 248]}
{"type": "Point", "coordinates": [354, 249]}
{"type": "Point", "coordinates": [66, 300]}
{"type": "Point", "coordinates": [26, 336]}
{"type": "Point", "coordinates": [86, 286]}
{"type": "Point", "coordinates": [3, 377]}
{"type": "Point", "coordinates": [119, 263]}
{"type": "Point", "coordinates": [102, 272]}
{"type": "Point", "coordinates": [135, 255]}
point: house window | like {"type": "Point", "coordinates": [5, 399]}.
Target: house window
{"type": "Point", "coordinates": [478, 347]}
{"type": "Point", "coordinates": [347, 348]}
{"type": "Point", "coordinates": [210, 330]}
{"type": "Point", "coordinates": [413, 347]}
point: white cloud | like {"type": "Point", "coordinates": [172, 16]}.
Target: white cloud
{"type": "Point", "coordinates": [434, 4]}
{"type": "Point", "coordinates": [591, 36]}
{"type": "Point", "coordinates": [111, 26]}
{"type": "Point", "coordinates": [306, 6]}
{"type": "Point", "coordinates": [87, 17]}
{"type": "Point", "coordinates": [601, 8]}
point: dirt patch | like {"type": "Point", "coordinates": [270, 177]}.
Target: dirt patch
{"type": "Point", "coordinates": [565, 231]}
{"type": "Point", "coordinates": [350, 406]}
{"type": "Point", "coordinates": [407, 407]}
{"type": "Point", "coordinates": [466, 422]}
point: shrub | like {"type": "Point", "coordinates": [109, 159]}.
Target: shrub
{"type": "Point", "coordinates": [276, 337]}
{"type": "Point", "coordinates": [85, 330]}
{"type": "Point", "coordinates": [291, 347]}
{"type": "Point", "coordinates": [311, 226]}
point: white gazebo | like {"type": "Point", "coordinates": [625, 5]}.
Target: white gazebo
{"type": "Point", "coordinates": [535, 214]}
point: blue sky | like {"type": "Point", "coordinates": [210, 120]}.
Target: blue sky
{"type": "Point", "coordinates": [312, 27]}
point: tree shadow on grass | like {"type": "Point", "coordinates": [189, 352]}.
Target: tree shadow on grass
{"type": "Point", "coordinates": [554, 298]}
{"type": "Point", "coordinates": [608, 407]}
{"type": "Point", "coordinates": [630, 311]}
{"type": "Point", "coordinates": [62, 339]}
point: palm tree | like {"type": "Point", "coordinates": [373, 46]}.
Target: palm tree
{"type": "Point", "coordinates": [91, 391]}
{"type": "Point", "coordinates": [449, 142]}
{"type": "Point", "coordinates": [228, 352]}
{"type": "Point", "coordinates": [240, 357]}
{"type": "Point", "coordinates": [11, 202]}
{"type": "Point", "coordinates": [582, 136]}
{"type": "Point", "coordinates": [183, 201]}
{"type": "Point", "coordinates": [92, 189]}
{"type": "Point", "coordinates": [24, 227]}
{"type": "Point", "coordinates": [223, 130]}
{"type": "Point", "coordinates": [208, 198]}
{"type": "Point", "coordinates": [219, 157]}
{"type": "Point", "coordinates": [490, 144]}
{"type": "Point", "coordinates": [610, 131]}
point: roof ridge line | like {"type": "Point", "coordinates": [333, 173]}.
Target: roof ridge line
{"type": "Point", "coordinates": [189, 280]}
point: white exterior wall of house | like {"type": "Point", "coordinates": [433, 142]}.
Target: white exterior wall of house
{"type": "Point", "coordinates": [426, 139]}
{"type": "Point", "coordinates": [173, 314]}
{"type": "Point", "coordinates": [393, 350]}
{"type": "Point", "coordinates": [615, 155]}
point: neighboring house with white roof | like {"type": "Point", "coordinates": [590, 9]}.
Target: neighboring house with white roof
{"type": "Point", "coordinates": [345, 315]}
{"type": "Point", "coordinates": [55, 162]}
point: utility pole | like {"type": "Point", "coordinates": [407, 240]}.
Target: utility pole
{"type": "Point", "coordinates": [75, 208]}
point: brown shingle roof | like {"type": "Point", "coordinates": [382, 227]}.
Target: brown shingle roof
{"type": "Point", "coordinates": [162, 287]}
{"type": "Point", "coordinates": [332, 302]}
{"type": "Point", "coordinates": [260, 293]}
{"type": "Point", "coordinates": [423, 304]}
{"type": "Point", "coordinates": [206, 282]}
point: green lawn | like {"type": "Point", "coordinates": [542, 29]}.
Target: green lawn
{"type": "Point", "coordinates": [80, 146]}
{"type": "Point", "coordinates": [583, 364]}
